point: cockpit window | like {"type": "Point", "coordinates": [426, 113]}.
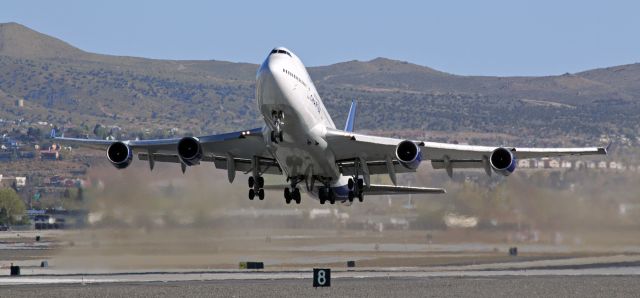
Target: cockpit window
{"type": "Point", "coordinates": [276, 51]}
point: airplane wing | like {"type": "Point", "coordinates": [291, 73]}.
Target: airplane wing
{"type": "Point", "coordinates": [379, 153]}
{"type": "Point", "coordinates": [241, 147]}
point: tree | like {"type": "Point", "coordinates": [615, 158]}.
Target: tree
{"type": "Point", "coordinates": [11, 206]}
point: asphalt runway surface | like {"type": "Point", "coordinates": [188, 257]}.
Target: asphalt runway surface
{"type": "Point", "coordinates": [576, 280]}
{"type": "Point", "coordinates": [496, 286]}
{"type": "Point", "coordinates": [389, 269]}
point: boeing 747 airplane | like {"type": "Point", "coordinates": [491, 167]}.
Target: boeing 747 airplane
{"type": "Point", "coordinates": [300, 142]}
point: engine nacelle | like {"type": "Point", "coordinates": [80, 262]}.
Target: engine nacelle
{"type": "Point", "coordinates": [409, 154]}
{"type": "Point", "coordinates": [120, 155]}
{"type": "Point", "coordinates": [502, 161]}
{"type": "Point", "coordinates": [190, 151]}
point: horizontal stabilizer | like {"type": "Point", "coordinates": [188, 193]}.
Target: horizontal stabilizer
{"type": "Point", "coordinates": [375, 189]}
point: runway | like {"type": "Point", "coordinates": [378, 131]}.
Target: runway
{"type": "Point", "coordinates": [490, 286]}
{"type": "Point", "coordinates": [578, 277]}
{"type": "Point", "coordinates": [148, 267]}
{"type": "Point", "coordinates": [54, 277]}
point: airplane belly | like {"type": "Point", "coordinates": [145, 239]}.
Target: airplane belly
{"type": "Point", "coordinates": [300, 155]}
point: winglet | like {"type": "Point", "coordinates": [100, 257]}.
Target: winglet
{"type": "Point", "coordinates": [351, 118]}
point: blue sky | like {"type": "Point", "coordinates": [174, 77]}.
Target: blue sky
{"type": "Point", "coordinates": [463, 37]}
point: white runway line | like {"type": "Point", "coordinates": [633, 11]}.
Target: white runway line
{"type": "Point", "coordinates": [272, 275]}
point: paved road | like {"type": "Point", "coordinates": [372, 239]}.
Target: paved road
{"type": "Point", "coordinates": [502, 286]}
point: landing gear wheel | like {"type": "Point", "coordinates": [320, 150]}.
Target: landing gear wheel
{"type": "Point", "coordinates": [261, 194]}
{"type": "Point", "coordinates": [360, 184]}
{"type": "Point", "coordinates": [280, 137]}
{"type": "Point", "coordinates": [252, 194]}
{"type": "Point", "coordinates": [332, 197]}
{"type": "Point", "coordinates": [287, 195]}
{"type": "Point", "coordinates": [252, 181]}
{"type": "Point", "coordinates": [360, 197]}
{"type": "Point", "coordinates": [351, 196]}
{"type": "Point", "coordinates": [350, 183]}
{"type": "Point", "coordinates": [296, 195]}
{"type": "Point", "coordinates": [260, 182]}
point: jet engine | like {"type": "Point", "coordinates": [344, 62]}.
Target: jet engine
{"type": "Point", "coordinates": [190, 151]}
{"type": "Point", "coordinates": [502, 161]}
{"type": "Point", "coordinates": [120, 155]}
{"type": "Point", "coordinates": [409, 154]}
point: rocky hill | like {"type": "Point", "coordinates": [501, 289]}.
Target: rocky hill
{"type": "Point", "coordinates": [69, 87]}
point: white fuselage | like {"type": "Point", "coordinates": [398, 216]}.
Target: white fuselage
{"type": "Point", "coordinates": [283, 85]}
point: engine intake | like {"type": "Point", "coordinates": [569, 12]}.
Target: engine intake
{"type": "Point", "coordinates": [409, 154]}
{"type": "Point", "coordinates": [190, 151]}
{"type": "Point", "coordinates": [120, 155]}
{"type": "Point", "coordinates": [502, 161]}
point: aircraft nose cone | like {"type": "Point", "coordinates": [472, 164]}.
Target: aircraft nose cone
{"type": "Point", "coordinates": [269, 78]}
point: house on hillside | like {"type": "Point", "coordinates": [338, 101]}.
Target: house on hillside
{"type": "Point", "coordinates": [524, 163]}
{"type": "Point", "coordinates": [53, 153]}
{"type": "Point", "coordinates": [554, 163]}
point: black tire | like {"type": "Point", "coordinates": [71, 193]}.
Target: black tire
{"type": "Point", "coordinates": [260, 182]}
{"type": "Point", "coordinates": [287, 194]}
{"type": "Point", "coordinates": [261, 194]}
{"type": "Point", "coordinates": [296, 195]}
{"type": "Point", "coordinates": [273, 137]}
{"type": "Point", "coordinates": [252, 194]}
{"type": "Point", "coordinates": [360, 184]}
{"type": "Point", "coordinates": [321, 201]}
{"type": "Point", "coordinates": [252, 181]}
{"type": "Point", "coordinates": [280, 137]}
{"type": "Point", "coordinates": [360, 197]}
{"type": "Point", "coordinates": [350, 183]}
{"type": "Point", "coordinates": [351, 196]}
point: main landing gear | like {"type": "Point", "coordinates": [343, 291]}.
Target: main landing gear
{"type": "Point", "coordinates": [292, 193]}
{"type": "Point", "coordinates": [276, 133]}
{"type": "Point", "coordinates": [256, 185]}
{"type": "Point", "coordinates": [326, 194]}
{"type": "Point", "coordinates": [356, 189]}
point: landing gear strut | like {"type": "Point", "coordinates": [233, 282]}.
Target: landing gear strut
{"type": "Point", "coordinates": [276, 133]}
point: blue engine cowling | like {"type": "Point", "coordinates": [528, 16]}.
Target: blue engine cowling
{"type": "Point", "coordinates": [502, 161]}
{"type": "Point", "coordinates": [409, 154]}
{"type": "Point", "coordinates": [190, 151]}
{"type": "Point", "coordinates": [120, 155]}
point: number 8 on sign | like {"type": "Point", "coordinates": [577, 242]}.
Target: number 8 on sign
{"type": "Point", "coordinates": [321, 277]}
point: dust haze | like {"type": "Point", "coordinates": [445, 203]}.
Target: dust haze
{"type": "Point", "coordinates": [163, 218]}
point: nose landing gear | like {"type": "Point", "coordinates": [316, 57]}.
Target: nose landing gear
{"type": "Point", "coordinates": [276, 133]}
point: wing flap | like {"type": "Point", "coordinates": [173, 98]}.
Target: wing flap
{"type": "Point", "coordinates": [376, 189]}
{"type": "Point", "coordinates": [267, 166]}
{"type": "Point", "coordinates": [347, 168]}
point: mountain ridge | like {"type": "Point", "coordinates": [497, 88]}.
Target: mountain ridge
{"type": "Point", "coordinates": [75, 88]}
